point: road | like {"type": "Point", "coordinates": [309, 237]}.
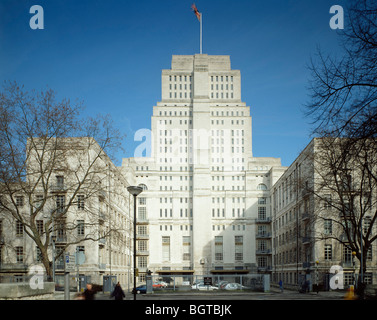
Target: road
{"type": "Point", "coordinates": [228, 296]}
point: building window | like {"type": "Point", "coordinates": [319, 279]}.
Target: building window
{"type": "Point", "coordinates": [142, 230]}
{"type": "Point", "coordinates": [262, 262]}
{"type": "Point", "coordinates": [19, 229]}
{"type": "Point", "coordinates": [327, 201]}
{"type": "Point", "coordinates": [165, 248]}
{"type": "Point", "coordinates": [20, 254]}
{"type": "Point", "coordinates": [219, 248]}
{"type": "Point", "coordinates": [327, 226]}
{"type": "Point", "coordinates": [142, 261]}
{"type": "Point", "coordinates": [262, 187]}
{"type": "Point", "coordinates": [142, 213]}
{"type": "Point", "coordinates": [347, 254]}
{"type": "Point", "coordinates": [39, 256]}
{"type": "Point", "coordinates": [142, 245]}
{"type": "Point", "coordinates": [262, 213]}
{"type": "Point", "coordinates": [38, 201]}
{"type": "Point", "coordinates": [80, 202]}
{"type": "Point", "coordinates": [60, 203]}
{"type": "Point", "coordinates": [328, 252]}
{"type": "Point", "coordinates": [40, 226]}
{"type": "Point", "coordinates": [238, 244]}
{"type": "Point", "coordinates": [186, 248]}
{"type": "Point", "coordinates": [60, 182]}
{"type": "Point", "coordinates": [19, 201]}
{"type": "Point", "coordinates": [80, 228]}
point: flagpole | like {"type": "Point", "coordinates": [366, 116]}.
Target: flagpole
{"type": "Point", "coordinates": [201, 32]}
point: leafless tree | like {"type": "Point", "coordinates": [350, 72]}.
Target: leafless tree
{"type": "Point", "coordinates": [343, 109]}
{"type": "Point", "coordinates": [344, 90]}
{"type": "Point", "coordinates": [53, 160]}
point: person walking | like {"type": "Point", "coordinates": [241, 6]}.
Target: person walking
{"type": "Point", "coordinates": [281, 285]}
{"type": "Point", "coordinates": [89, 292]}
{"type": "Point", "coordinates": [118, 293]}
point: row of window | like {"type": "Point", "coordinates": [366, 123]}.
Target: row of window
{"type": "Point", "coordinates": [59, 200]}
{"type": "Point", "coordinates": [290, 256]}
{"type": "Point", "coordinates": [213, 113]}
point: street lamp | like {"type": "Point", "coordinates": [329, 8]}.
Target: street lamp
{"type": "Point", "coordinates": [135, 191]}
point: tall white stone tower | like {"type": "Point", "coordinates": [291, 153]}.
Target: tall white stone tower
{"type": "Point", "coordinates": [201, 179]}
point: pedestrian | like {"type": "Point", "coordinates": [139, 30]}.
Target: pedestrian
{"type": "Point", "coordinates": [89, 292]}
{"type": "Point", "coordinates": [281, 285]}
{"type": "Point", "coordinates": [118, 293]}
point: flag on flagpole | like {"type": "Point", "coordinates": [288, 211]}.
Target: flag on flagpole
{"type": "Point", "coordinates": [196, 11]}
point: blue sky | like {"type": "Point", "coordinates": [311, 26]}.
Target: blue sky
{"type": "Point", "coordinates": [110, 53]}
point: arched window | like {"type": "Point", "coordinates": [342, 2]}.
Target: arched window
{"type": "Point", "coordinates": [262, 187]}
{"type": "Point", "coordinates": [143, 186]}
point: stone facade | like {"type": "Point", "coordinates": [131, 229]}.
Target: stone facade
{"type": "Point", "coordinates": [203, 183]}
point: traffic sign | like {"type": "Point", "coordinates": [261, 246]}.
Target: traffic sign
{"type": "Point", "coordinates": [70, 262]}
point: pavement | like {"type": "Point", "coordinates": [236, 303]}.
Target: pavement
{"type": "Point", "coordinates": [274, 294]}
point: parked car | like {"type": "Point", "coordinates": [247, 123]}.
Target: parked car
{"type": "Point", "coordinates": [163, 284]}
{"type": "Point", "coordinates": [196, 285]}
{"type": "Point", "coordinates": [140, 289]}
{"type": "Point", "coordinates": [201, 286]}
{"type": "Point", "coordinates": [207, 287]}
{"type": "Point", "coordinates": [222, 284]}
{"type": "Point", "coordinates": [235, 286]}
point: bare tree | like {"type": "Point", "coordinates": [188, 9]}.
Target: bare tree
{"type": "Point", "coordinates": [54, 161]}
{"type": "Point", "coordinates": [343, 108]}
{"type": "Point", "coordinates": [344, 90]}
{"type": "Point", "coordinates": [339, 179]}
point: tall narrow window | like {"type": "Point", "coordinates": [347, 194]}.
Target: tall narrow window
{"type": "Point", "coordinates": [238, 245]}
{"type": "Point", "coordinates": [186, 247]}
{"type": "Point", "coordinates": [327, 226]}
{"type": "Point", "coordinates": [19, 201]}
{"type": "Point", "coordinates": [60, 203]}
{"type": "Point", "coordinates": [328, 252]}
{"type": "Point", "coordinates": [60, 182]}
{"type": "Point", "coordinates": [219, 248]}
{"type": "Point", "coordinates": [80, 228]}
{"type": "Point", "coordinates": [80, 202]}
{"type": "Point", "coordinates": [19, 229]}
{"type": "Point", "coordinates": [165, 248]}
{"type": "Point", "coordinates": [19, 254]}
{"type": "Point", "coordinates": [40, 226]}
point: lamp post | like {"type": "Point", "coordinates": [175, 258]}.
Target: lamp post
{"type": "Point", "coordinates": [135, 191]}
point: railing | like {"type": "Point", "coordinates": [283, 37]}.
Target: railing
{"type": "Point", "coordinates": [58, 188]}
{"type": "Point", "coordinates": [263, 235]}
{"type": "Point", "coordinates": [142, 252]}
{"type": "Point", "coordinates": [263, 251]}
{"type": "Point", "coordinates": [13, 267]}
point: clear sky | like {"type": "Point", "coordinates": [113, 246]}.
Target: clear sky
{"type": "Point", "coordinates": [110, 53]}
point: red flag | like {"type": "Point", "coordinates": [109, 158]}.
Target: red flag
{"type": "Point", "coordinates": [196, 11]}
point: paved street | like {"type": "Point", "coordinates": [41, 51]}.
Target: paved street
{"type": "Point", "coordinates": [273, 295]}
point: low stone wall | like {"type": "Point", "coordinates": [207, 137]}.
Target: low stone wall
{"type": "Point", "coordinates": [23, 291]}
